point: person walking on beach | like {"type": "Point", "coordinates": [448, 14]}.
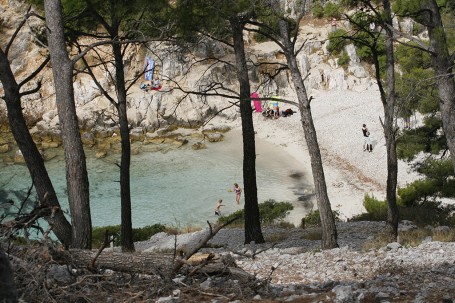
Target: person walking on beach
{"type": "Point", "coordinates": [218, 207]}
{"type": "Point", "coordinates": [367, 146]}
{"type": "Point", "coordinates": [238, 193]}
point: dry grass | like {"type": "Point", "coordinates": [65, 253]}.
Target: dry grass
{"type": "Point", "coordinates": [314, 235]}
{"type": "Point", "coordinates": [411, 238]}
{"type": "Point", "coordinates": [182, 230]}
{"type": "Point", "coordinates": [276, 237]}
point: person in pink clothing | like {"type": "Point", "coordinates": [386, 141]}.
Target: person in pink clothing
{"type": "Point", "coordinates": [256, 101]}
{"type": "Point", "coordinates": [238, 193]}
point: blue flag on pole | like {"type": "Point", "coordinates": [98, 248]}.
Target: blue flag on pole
{"type": "Point", "coordinates": [149, 68]}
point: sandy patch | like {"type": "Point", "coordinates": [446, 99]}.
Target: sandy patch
{"type": "Point", "coordinates": [350, 172]}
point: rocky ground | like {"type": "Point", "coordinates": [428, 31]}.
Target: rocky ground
{"type": "Point", "coordinates": [296, 270]}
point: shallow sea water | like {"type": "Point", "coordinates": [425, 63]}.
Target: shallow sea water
{"type": "Point", "coordinates": [177, 188]}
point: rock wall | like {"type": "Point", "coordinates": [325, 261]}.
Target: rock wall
{"type": "Point", "coordinates": [180, 72]}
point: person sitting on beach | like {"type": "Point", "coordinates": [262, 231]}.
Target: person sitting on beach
{"type": "Point", "coordinates": [276, 112]}
{"type": "Point", "coordinates": [268, 113]}
{"type": "Point", "coordinates": [287, 112]}
{"type": "Point", "coordinates": [218, 207]}
{"type": "Point", "coordinates": [156, 84]}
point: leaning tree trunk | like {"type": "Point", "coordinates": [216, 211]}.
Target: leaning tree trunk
{"type": "Point", "coordinates": [388, 101]}
{"type": "Point", "coordinates": [253, 230]}
{"type": "Point", "coordinates": [76, 170]}
{"type": "Point", "coordinates": [329, 231]}
{"type": "Point", "coordinates": [32, 156]}
{"type": "Point", "coordinates": [125, 192]}
{"type": "Point", "coordinates": [443, 66]}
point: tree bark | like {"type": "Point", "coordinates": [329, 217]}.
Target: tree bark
{"type": "Point", "coordinates": [76, 170]}
{"type": "Point", "coordinates": [146, 263]}
{"type": "Point", "coordinates": [125, 192]}
{"type": "Point", "coordinates": [388, 101]}
{"type": "Point", "coordinates": [253, 230]}
{"type": "Point", "coordinates": [32, 156]}
{"type": "Point", "coordinates": [443, 66]}
{"type": "Point", "coordinates": [329, 231]}
{"type": "Point", "coordinates": [8, 292]}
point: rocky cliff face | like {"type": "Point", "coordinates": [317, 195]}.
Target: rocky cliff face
{"type": "Point", "coordinates": [178, 71]}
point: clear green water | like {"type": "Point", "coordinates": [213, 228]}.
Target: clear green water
{"type": "Point", "coordinates": [177, 188]}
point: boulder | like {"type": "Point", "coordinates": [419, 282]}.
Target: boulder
{"type": "Point", "coordinates": [88, 139]}
{"type": "Point", "coordinates": [214, 137]}
{"type": "Point", "coordinates": [49, 144]}
{"type": "Point", "coordinates": [198, 146]}
{"type": "Point", "coordinates": [4, 148]}
{"type": "Point", "coordinates": [18, 157]}
{"type": "Point", "coordinates": [101, 154]}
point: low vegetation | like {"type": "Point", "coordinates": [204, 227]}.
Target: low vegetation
{"type": "Point", "coordinates": [423, 213]}
{"type": "Point", "coordinates": [139, 234]}
{"type": "Point", "coordinates": [270, 211]}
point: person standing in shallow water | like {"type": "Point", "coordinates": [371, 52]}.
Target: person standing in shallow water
{"type": "Point", "coordinates": [238, 193]}
{"type": "Point", "coordinates": [218, 207]}
{"type": "Point", "coordinates": [367, 146]}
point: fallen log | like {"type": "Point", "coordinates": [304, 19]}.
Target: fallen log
{"type": "Point", "coordinates": [146, 263]}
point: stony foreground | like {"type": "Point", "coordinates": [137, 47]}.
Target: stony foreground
{"type": "Point", "coordinates": [298, 271]}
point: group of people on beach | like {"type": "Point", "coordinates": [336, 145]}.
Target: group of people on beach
{"type": "Point", "coordinates": [153, 85]}
{"type": "Point", "coordinates": [272, 108]}
{"type": "Point", "coordinates": [238, 192]}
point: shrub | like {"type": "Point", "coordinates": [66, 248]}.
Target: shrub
{"type": "Point", "coordinates": [375, 206]}
{"type": "Point", "coordinates": [332, 10]}
{"type": "Point", "coordinates": [270, 211]}
{"type": "Point", "coordinates": [314, 218]}
{"type": "Point", "coordinates": [344, 59]}
{"type": "Point", "coordinates": [336, 41]}
{"type": "Point", "coordinates": [423, 214]}
{"type": "Point", "coordinates": [139, 234]}
{"type": "Point", "coordinates": [317, 10]}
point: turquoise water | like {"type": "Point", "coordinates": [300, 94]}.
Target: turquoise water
{"type": "Point", "coordinates": [177, 188]}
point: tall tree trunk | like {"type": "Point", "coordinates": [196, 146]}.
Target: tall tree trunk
{"type": "Point", "coordinates": [32, 156]}
{"type": "Point", "coordinates": [125, 193]}
{"type": "Point", "coordinates": [388, 101]}
{"type": "Point", "coordinates": [8, 292]}
{"type": "Point", "coordinates": [253, 230]}
{"type": "Point", "coordinates": [76, 170]}
{"type": "Point", "coordinates": [443, 66]}
{"type": "Point", "coordinates": [329, 231]}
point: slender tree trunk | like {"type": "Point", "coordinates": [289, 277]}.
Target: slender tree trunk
{"type": "Point", "coordinates": [76, 170]}
{"type": "Point", "coordinates": [32, 156]}
{"type": "Point", "coordinates": [125, 192]}
{"type": "Point", "coordinates": [253, 230]}
{"type": "Point", "coordinates": [443, 66]}
{"type": "Point", "coordinates": [388, 101]}
{"type": "Point", "coordinates": [329, 231]}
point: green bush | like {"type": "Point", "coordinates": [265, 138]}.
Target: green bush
{"type": "Point", "coordinates": [429, 213]}
{"type": "Point", "coordinates": [375, 207]}
{"type": "Point", "coordinates": [270, 212]}
{"type": "Point", "coordinates": [332, 10]}
{"type": "Point", "coordinates": [139, 234]}
{"type": "Point", "coordinates": [423, 214]}
{"type": "Point", "coordinates": [314, 218]}
{"type": "Point", "coordinates": [317, 10]}
{"type": "Point", "coordinates": [337, 42]}
{"type": "Point", "coordinates": [344, 59]}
